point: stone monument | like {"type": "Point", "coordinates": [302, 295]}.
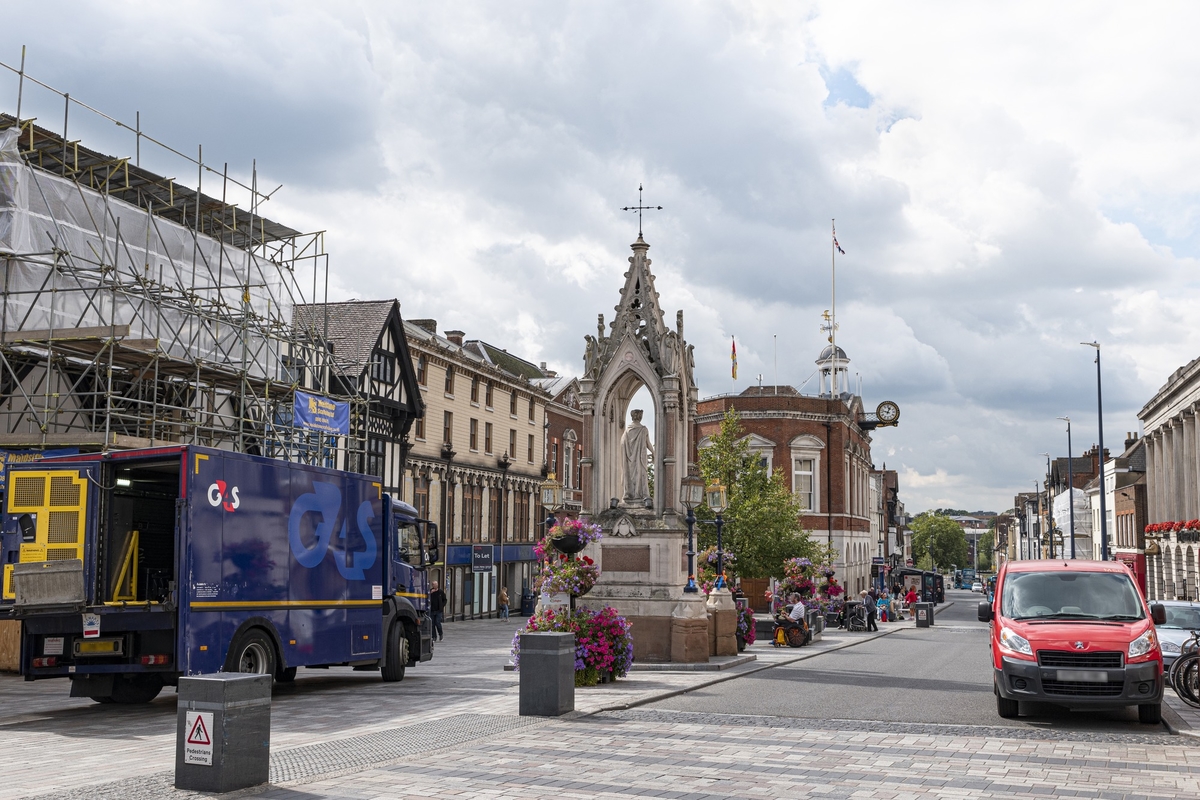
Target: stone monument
{"type": "Point", "coordinates": [642, 557]}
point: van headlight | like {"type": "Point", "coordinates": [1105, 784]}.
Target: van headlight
{"type": "Point", "coordinates": [1170, 647]}
{"type": "Point", "coordinates": [1015, 642]}
{"type": "Point", "coordinates": [1142, 644]}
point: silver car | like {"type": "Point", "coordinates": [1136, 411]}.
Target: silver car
{"type": "Point", "coordinates": [1182, 618]}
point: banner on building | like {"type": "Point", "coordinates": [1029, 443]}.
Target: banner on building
{"type": "Point", "coordinates": [26, 456]}
{"type": "Point", "coordinates": [321, 414]}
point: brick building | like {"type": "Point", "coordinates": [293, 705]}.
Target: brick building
{"type": "Point", "coordinates": [823, 445]}
{"type": "Point", "coordinates": [564, 438]}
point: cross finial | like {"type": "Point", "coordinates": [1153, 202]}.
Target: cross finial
{"type": "Point", "coordinates": [639, 208]}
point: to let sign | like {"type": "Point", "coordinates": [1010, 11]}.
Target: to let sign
{"type": "Point", "coordinates": [482, 557]}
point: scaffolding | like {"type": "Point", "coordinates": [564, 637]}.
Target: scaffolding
{"type": "Point", "coordinates": [137, 311]}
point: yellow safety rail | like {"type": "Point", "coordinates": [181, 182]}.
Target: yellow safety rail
{"type": "Point", "coordinates": [128, 573]}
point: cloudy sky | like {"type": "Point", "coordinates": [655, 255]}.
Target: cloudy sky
{"type": "Point", "coordinates": [1008, 181]}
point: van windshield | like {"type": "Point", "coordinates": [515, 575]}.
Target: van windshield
{"type": "Point", "coordinates": [1070, 595]}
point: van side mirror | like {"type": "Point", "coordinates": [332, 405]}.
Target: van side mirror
{"type": "Point", "coordinates": [985, 611]}
{"type": "Point", "coordinates": [1158, 613]}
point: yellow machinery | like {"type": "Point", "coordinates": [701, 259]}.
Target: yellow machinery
{"type": "Point", "coordinates": [55, 502]}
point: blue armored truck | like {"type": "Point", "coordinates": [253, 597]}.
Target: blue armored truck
{"type": "Point", "coordinates": [129, 569]}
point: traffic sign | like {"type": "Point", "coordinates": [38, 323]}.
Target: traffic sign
{"type": "Point", "coordinates": [198, 746]}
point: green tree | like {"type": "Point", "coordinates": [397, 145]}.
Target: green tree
{"type": "Point", "coordinates": [986, 544]}
{"type": "Point", "coordinates": [762, 523]}
{"type": "Point", "coordinates": [937, 533]}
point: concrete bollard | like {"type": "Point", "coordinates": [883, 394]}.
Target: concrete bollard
{"type": "Point", "coordinates": [547, 674]}
{"type": "Point", "coordinates": [223, 732]}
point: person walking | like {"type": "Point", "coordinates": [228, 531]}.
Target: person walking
{"type": "Point", "coordinates": [868, 599]}
{"type": "Point", "coordinates": [503, 601]}
{"type": "Point", "coordinates": [437, 607]}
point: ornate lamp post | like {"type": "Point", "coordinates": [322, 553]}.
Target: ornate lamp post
{"type": "Point", "coordinates": [691, 492]}
{"type": "Point", "coordinates": [718, 501]}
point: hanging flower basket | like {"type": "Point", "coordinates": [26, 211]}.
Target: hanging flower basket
{"type": "Point", "coordinates": [571, 535]}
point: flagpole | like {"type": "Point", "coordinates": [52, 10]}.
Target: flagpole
{"type": "Point", "coordinates": [833, 305]}
{"type": "Point", "coordinates": [775, 336]}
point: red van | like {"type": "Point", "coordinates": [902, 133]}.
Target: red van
{"type": "Point", "coordinates": [1074, 633]}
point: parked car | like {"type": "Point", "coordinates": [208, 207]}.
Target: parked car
{"type": "Point", "coordinates": [1075, 633]}
{"type": "Point", "coordinates": [976, 587]}
{"type": "Point", "coordinates": [1182, 618]}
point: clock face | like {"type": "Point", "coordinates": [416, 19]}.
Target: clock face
{"type": "Point", "coordinates": [888, 411]}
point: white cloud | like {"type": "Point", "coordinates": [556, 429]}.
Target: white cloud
{"type": "Point", "coordinates": [1008, 181]}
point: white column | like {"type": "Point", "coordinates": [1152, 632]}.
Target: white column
{"type": "Point", "coordinates": [1187, 465]}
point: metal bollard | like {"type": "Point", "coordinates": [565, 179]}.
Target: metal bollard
{"type": "Point", "coordinates": [547, 674]}
{"type": "Point", "coordinates": [223, 732]}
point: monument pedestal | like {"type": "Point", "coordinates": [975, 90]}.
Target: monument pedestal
{"type": "Point", "coordinates": [689, 630]}
{"type": "Point", "coordinates": [642, 575]}
{"type": "Point", "coordinates": [723, 613]}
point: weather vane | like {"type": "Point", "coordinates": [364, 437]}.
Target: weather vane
{"type": "Point", "coordinates": [639, 208]}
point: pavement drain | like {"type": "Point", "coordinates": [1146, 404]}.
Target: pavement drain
{"type": "Point", "coordinates": [324, 759]}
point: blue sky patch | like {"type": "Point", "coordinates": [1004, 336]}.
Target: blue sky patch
{"type": "Point", "coordinates": [844, 89]}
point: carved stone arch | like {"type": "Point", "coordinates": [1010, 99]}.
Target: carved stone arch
{"type": "Point", "coordinates": [807, 441]}
{"type": "Point", "coordinates": [615, 393]}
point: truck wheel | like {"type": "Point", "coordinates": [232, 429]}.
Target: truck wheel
{"type": "Point", "coordinates": [1008, 709]}
{"type": "Point", "coordinates": [397, 654]}
{"type": "Point", "coordinates": [286, 675]}
{"type": "Point", "coordinates": [1150, 713]}
{"type": "Point", "coordinates": [136, 689]}
{"type": "Point", "coordinates": [252, 652]}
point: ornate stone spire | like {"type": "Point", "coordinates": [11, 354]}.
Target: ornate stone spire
{"type": "Point", "coordinates": [639, 319]}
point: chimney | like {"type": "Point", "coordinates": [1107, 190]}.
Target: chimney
{"type": "Point", "coordinates": [426, 324]}
{"type": "Point", "coordinates": [456, 337]}
{"type": "Point", "coordinates": [1130, 440]}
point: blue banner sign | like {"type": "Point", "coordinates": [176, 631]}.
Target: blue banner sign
{"type": "Point", "coordinates": [26, 456]}
{"type": "Point", "coordinates": [321, 414]}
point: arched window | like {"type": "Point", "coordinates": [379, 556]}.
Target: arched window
{"type": "Point", "coordinates": [568, 463]}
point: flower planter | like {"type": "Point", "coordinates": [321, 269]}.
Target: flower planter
{"type": "Point", "coordinates": [568, 543]}
{"type": "Point", "coordinates": [741, 643]}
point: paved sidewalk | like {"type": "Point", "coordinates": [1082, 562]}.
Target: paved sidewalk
{"type": "Point", "coordinates": [61, 746]}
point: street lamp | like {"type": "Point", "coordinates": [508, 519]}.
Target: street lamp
{"type": "Point", "coordinates": [718, 501]}
{"type": "Point", "coordinates": [551, 500]}
{"type": "Point", "coordinates": [691, 492]}
{"type": "Point", "coordinates": [1049, 512]}
{"type": "Point", "coordinates": [1100, 425]}
{"type": "Point", "coordinates": [1070, 482]}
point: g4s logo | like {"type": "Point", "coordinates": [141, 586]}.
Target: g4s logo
{"type": "Point", "coordinates": [326, 500]}
{"type": "Point", "coordinates": [217, 496]}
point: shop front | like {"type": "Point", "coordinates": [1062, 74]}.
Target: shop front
{"type": "Point", "coordinates": [474, 573]}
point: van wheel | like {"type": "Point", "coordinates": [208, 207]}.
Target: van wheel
{"type": "Point", "coordinates": [1150, 713]}
{"type": "Point", "coordinates": [397, 654]}
{"type": "Point", "coordinates": [136, 689]}
{"type": "Point", "coordinates": [252, 652]}
{"type": "Point", "coordinates": [1007, 709]}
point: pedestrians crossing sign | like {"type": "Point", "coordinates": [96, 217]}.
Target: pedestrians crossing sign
{"type": "Point", "coordinates": [198, 746]}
